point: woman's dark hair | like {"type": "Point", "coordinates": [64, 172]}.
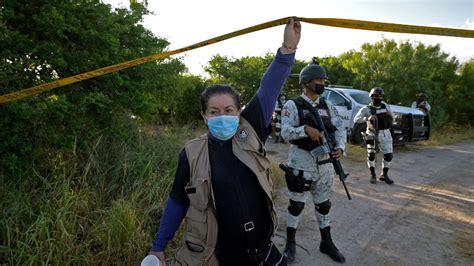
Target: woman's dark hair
{"type": "Point", "coordinates": [218, 89]}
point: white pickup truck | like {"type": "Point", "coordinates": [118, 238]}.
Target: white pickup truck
{"type": "Point", "coordinates": [409, 124]}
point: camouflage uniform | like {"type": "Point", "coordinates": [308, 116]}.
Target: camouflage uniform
{"type": "Point", "coordinates": [277, 117]}
{"type": "Point", "coordinates": [299, 159]}
{"type": "Point", "coordinates": [385, 141]}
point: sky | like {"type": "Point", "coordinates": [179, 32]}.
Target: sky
{"type": "Point", "coordinates": [184, 23]}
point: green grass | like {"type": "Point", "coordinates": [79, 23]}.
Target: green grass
{"type": "Point", "coordinates": [278, 176]}
{"type": "Point", "coordinates": [449, 134]}
{"type": "Point", "coordinates": [101, 207]}
{"type": "Point", "coordinates": [356, 153]}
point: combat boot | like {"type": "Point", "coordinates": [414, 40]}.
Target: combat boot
{"type": "Point", "coordinates": [373, 177]}
{"type": "Point", "coordinates": [384, 177]}
{"type": "Point", "coordinates": [277, 139]}
{"type": "Point", "coordinates": [328, 247]}
{"type": "Point", "coordinates": [290, 248]}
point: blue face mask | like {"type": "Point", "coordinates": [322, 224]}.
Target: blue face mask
{"type": "Point", "coordinates": [223, 127]}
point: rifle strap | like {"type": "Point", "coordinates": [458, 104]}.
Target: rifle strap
{"type": "Point", "coordinates": [312, 109]}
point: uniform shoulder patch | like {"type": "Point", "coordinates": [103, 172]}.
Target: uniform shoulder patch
{"type": "Point", "coordinates": [243, 134]}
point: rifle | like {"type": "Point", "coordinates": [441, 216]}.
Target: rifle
{"type": "Point", "coordinates": [328, 148]}
{"type": "Point", "coordinates": [373, 111]}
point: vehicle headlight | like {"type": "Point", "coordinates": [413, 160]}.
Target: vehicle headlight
{"type": "Point", "coordinates": [397, 119]}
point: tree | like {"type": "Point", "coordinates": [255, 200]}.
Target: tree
{"type": "Point", "coordinates": [337, 73]}
{"type": "Point", "coordinates": [182, 100]}
{"type": "Point", "coordinates": [403, 70]}
{"type": "Point", "coordinates": [460, 97]}
{"type": "Point", "coordinates": [244, 74]}
{"type": "Point", "coordinates": [44, 41]}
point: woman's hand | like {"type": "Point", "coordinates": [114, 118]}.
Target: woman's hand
{"type": "Point", "coordinates": [160, 255]}
{"type": "Point", "coordinates": [291, 37]}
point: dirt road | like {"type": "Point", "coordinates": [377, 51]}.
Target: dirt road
{"type": "Point", "coordinates": [426, 218]}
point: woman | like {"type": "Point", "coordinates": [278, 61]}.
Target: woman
{"type": "Point", "coordinates": [222, 183]}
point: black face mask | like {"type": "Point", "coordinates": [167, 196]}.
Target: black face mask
{"type": "Point", "coordinates": [376, 102]}
{"type": "Point", "coordinates": [421, 99]}
{"type": "Point", "coordinates": [317, 88]}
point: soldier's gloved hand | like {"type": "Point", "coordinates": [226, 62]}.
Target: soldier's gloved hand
{"type": "Point", "coordinates": [337, 153]}
{"type": "Point", "coordinates": [313, 134]}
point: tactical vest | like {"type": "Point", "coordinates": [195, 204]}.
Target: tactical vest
{"type": "Point", "coordinates": [384, 121]}
{"type": "Point", "coordinates": [420, 106]}
{"type": "Point", "coordinates": [306, 118]}
{"type": "Point", "coordinates": [201, 223]}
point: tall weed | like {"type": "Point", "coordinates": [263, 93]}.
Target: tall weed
{"type": "Point", "coordinates": [99, 204]}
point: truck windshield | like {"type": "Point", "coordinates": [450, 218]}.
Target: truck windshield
{"type": "Point", "coordinates": [362, 98]}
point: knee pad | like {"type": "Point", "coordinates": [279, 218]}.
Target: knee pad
{"type": "Point", "coordinates": [371, 156]}
{"type": "Point", "coordinates": [295, 207]}
{"type": "Point", "coordinates": [323, 207]}
{"type": "Point", "coordinates": [388, 157]}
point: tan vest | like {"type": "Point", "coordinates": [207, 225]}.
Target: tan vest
{"type": "Point", "coordinates": [201, 223]}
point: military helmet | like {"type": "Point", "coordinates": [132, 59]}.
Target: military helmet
{"type": "Point", "coordinates": [376, 91]}
{"type": "Point", "coordinates": [421, 94]}
{"type": "Point", "coordinates": [312, 71]}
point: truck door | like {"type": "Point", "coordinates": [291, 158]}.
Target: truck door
{"type": "Point", "coordinates": [341, 104]}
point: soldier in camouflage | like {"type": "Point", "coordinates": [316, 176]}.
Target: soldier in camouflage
{"type": "Point", "coordinates": [379, 119]}
{"type": "Point", "coordinates": [277, 117]}
{"type": "Point", "coordinates": [304, 135]}
{"type": "Point", "coordinates": [421, 103]}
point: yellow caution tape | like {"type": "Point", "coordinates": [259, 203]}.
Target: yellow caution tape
{"type": "Point", "coordinates": [334, 22]}
{"type": "Point", "coordinates": [389, 27]}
